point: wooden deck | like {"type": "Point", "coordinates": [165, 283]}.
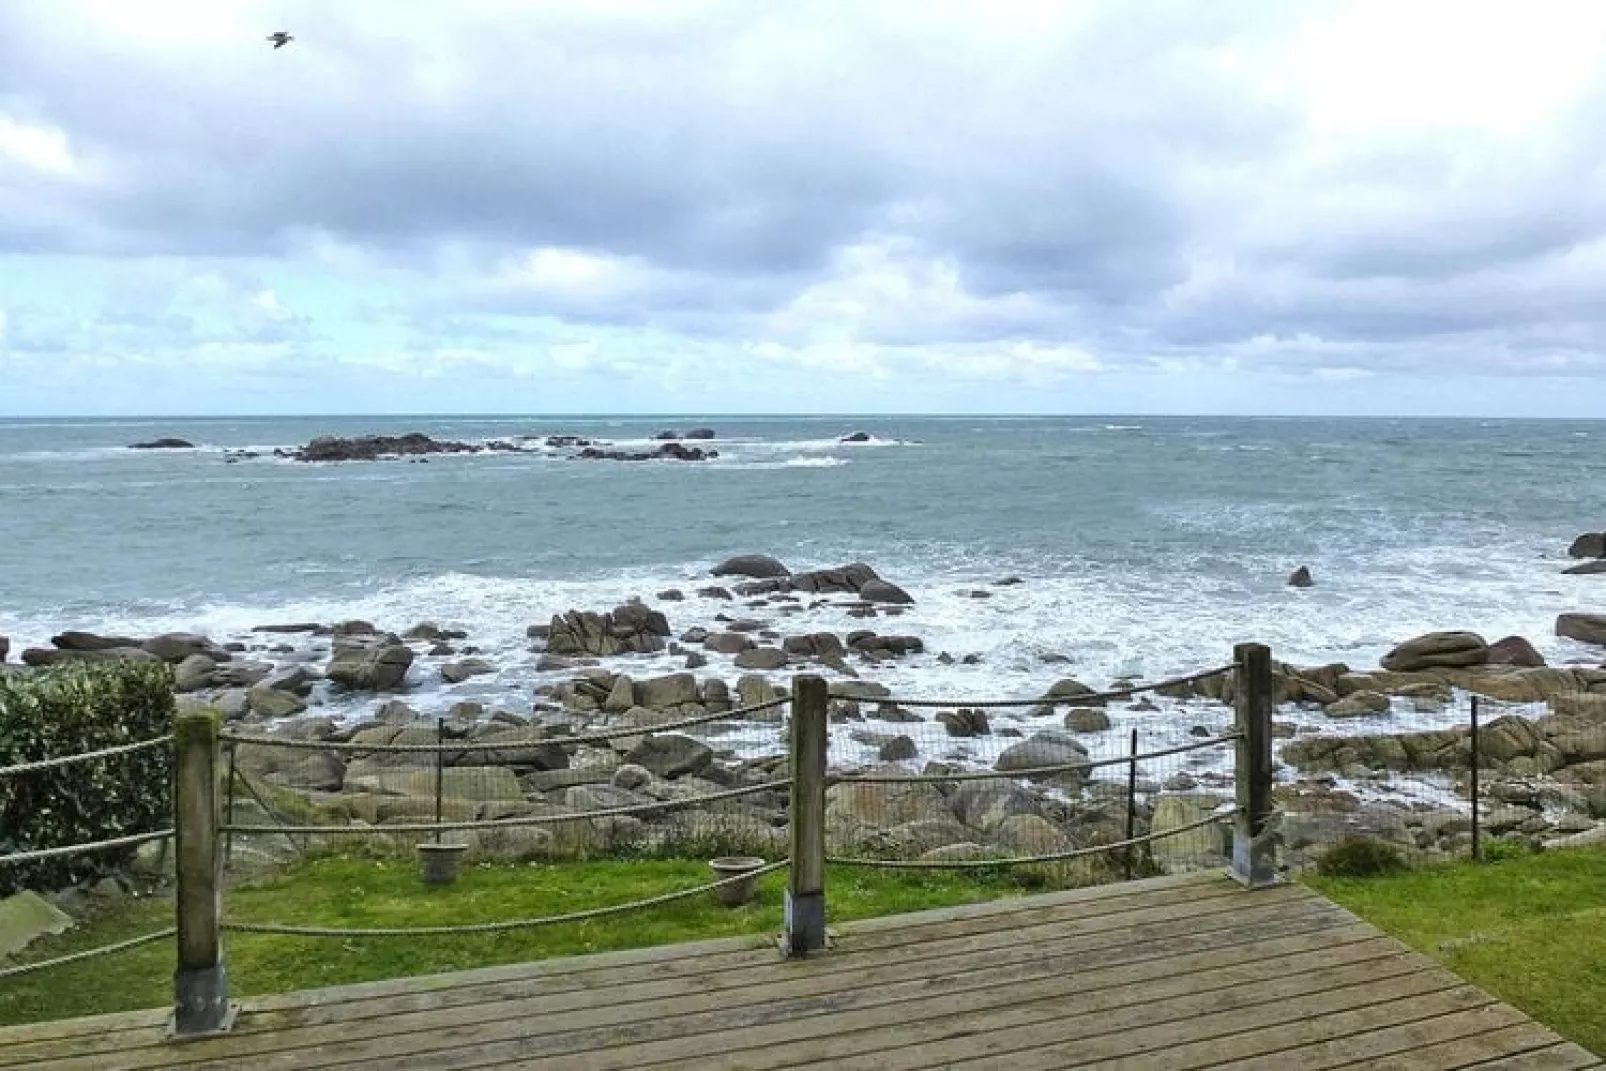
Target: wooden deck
{"type": "Point", "coordinates": [1174, 973]}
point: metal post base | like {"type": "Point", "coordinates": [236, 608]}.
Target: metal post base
{"type": "Point", "coordinates": [201, 1005]}
{"type": "Point", "coordinates": [805, 924]}
{"type": "Point", "coordinates": [1254, 859]}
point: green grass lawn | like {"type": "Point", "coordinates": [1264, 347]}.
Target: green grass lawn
{"type": "Point", "coordinates": [364, 892]}
{"type": "Point", "coordinates": [1531, 930]}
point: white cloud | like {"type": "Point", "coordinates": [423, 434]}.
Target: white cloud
{"type": "Point", "coordinates": [40, 148]}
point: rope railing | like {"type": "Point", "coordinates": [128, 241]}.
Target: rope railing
{"type": "Point", "coordinates": [1018, 860]}
{"type": "Point", "coordinates": [81, 849]}
{"type": "Point", "coordinates": [88, 953]}
{"type": "Point", "coordinates": [1040, 700]}
{"type": "Point", "coordinates": [655, 807]}
{"type": "Point", "coordinates": [86, 756]}
{"type": "Point", "coordinates": [292, 930]}
{"type": "Point", "coordinates": [1029, 772]}
{"type": "Point", "coordinates": [461, 746]}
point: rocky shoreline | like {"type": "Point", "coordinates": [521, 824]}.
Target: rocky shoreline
{"type": "Point", "coordinates": [1545, 766]}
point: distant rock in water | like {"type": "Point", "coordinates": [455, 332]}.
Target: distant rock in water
{"type": "Point", "coordinates": [669, 451]}
{"type": "Point", "coordinates": [163, 444]}
{"type": "Point", "coordinates": [1301, 578]}
{"type": "Point", "coordinates": [700, 433]}
{"type": "Point", "coordinates": [373, 447]}
{"type": "Point", "coordinates": [758, 566]}
{"type": "Point", "coordinates": [1588, 545]}
{"type": "Point", "coordinates": [855, 437]}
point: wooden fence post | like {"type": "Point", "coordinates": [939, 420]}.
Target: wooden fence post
{"type": "Point", "coordinates": [1254, 850]}
{"type": "Point", "coordinates": [200, 985]}
{"type": "Point", "coordinates": [805, 886]}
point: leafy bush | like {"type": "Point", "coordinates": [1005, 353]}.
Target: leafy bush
{"type": "Point", "coordinates": [69, 710]}
{"type": "Point", "coordinates": [1360, 857]}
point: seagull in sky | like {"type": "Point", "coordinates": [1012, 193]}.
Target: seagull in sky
{"type": "Point", "coordinates": [280, 39]}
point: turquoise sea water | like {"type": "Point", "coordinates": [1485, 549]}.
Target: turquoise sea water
{"type": "Point", "coordinates": [1146, 544]}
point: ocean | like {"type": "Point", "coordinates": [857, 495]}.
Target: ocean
{"type": "Point", "coordinates": [1146, 546]}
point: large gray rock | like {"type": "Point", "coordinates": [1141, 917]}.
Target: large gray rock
{"type": "Point", "coordinates": [673, 690]}
{"type": "Point", "coordinates": [985, 804]}
{"type": "Point", "coordinates": [757, 566]}
{"type": "Point", "coordinates": [274, 703]}
{"type": "Point", "coordinates": [370, 664]}
{"type": "Point", "coordinates": [460, 671]}
{"type": "Point", "coordinates": [1586, 628]}
{"type": "Point", "coordinates": [1062, 690]}
{"type": "Point", "coordinates": [1436, 649]}
{"type": "Point", "coordinates": [671, 755]}
{"type": "Point", "coordinates": [1589, 545]}
{"type": "Point", "coordinates": [878, 590]}
{"type": "Point", "coordinates": [761, 658]}
{"type": "Point", "coordinates": [1358, 705]}
{"type": "Point", "coordinates": [524, 748]}
{"type": "Point", "coordinates": [728, 643]}
{"type": "Point", "coordinates": [1047, 747]}
{"type": "Point", "coordinates": [175, 647]}
{"type": "Point", "coordinates": [90, 641]}
{"type": "Point", "coordinates": [194, 673]}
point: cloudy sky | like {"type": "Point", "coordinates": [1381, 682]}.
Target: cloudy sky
{"type": "Point", "coordinates": [854, 206]}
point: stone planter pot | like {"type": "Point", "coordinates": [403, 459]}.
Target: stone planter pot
{"type": "Point", "coordinates": [729, 866]}
{"type": "Point", "coordinates": [438, 863]}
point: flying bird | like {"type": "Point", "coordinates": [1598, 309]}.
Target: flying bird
{"type": "Point", "coordinates": [280, 39]}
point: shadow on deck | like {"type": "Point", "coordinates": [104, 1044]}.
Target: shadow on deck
{"type": "Point", "coordinates": [1180, 972]}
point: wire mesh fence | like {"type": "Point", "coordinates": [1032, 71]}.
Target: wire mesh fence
{"type": "Point", "coordinates": [666, 767]}
{"type": "Point", "coordinates": [1074, 787]}
{"type": "Point", "coordinates": [1406, 768]}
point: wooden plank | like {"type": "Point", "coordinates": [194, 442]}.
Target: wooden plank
{"type": "Point", "coordinates": [858, 935]}
{"type": "Point", "coordinates": [995, 946]}
{"type": "Point", "coordinates": [604, 1017]}
{"type": "Point", "coordinates": [1508, 1042]}
{"type": "Point", "coordinates": [629, 1046]}
{"type": "Point", "coordinates": [27, 1033]}
{"type": "Point", "coordinates": [1197, 883]}
{"type": "Point", "coordinates": [1563, 1056]}
{"type": "Point", "coordinates": [1152, 1026]}
{"type": "Point", "coordinates": [721, 953]}
{"type": "Point", "coordinates": [1082, 992]}
{"type": "Point", "coordinates": [1330, 1038]}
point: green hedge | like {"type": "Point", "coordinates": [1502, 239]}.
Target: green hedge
{"type": "Point", "coordinates": [69, 710]}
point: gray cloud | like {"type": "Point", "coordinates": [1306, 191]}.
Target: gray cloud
{"type": "Point", "coordinates": [1125, 178]}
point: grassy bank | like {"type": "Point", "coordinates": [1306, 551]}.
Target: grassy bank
{"type": "Point", "coordinates": [364, 893]}
{"type": "Point", "coordinates": [1531, 930]}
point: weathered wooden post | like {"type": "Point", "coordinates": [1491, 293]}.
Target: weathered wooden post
{"type": "Point", "coordinates": [200, 985]}
{"type": "Point", "coordinates": [1254, 851]}
{"type": "Point", "coordinates": [805, 885]}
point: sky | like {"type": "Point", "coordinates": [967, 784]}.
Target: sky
{"type": "Point", "coordinates": [844, 206]}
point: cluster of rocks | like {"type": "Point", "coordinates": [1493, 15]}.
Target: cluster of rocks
{"type": "Point", "coordinates": [667, 451]}
{"type": "Point", "coordinates": [535, 770]}
{"type": "Point", "coordinates": [418, 446]}
{"type": "Point", "coordinates": [1592, 547]}
{"type": "Point", "coordinates": [768, 575]}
